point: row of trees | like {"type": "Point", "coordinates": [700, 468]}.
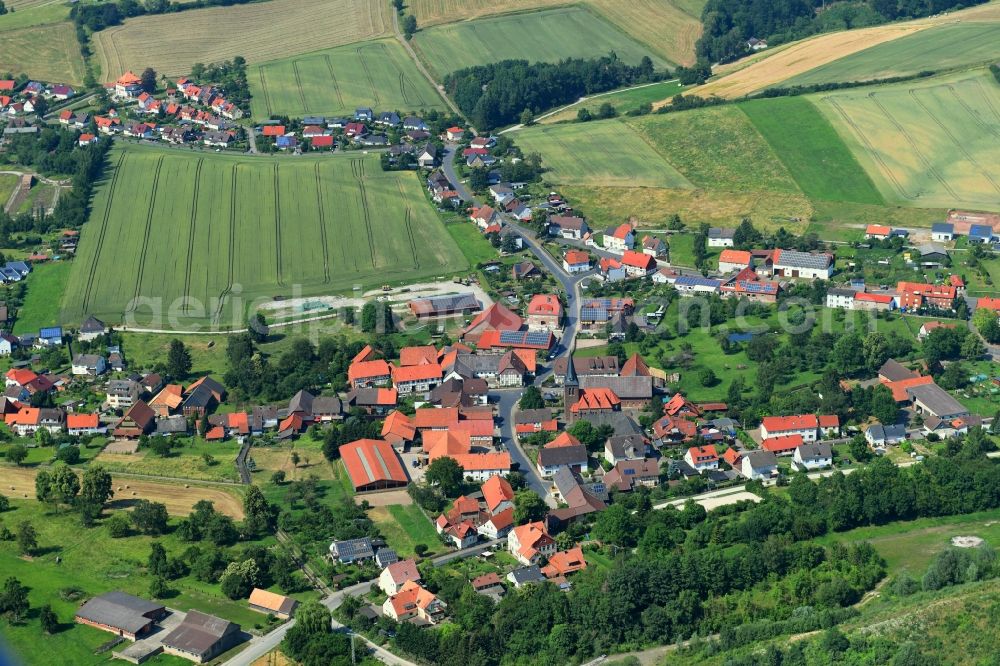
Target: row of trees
{"type": "Point", "coordinates": [498, 94]}
{"type": "Point", "coordinates": [104, 15]}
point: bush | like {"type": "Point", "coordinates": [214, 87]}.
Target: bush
{"type": "Point", "coordinates": [119, 526]}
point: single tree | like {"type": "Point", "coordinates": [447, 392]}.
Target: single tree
{"type": "Point", "coordinates": [531, 399]}
{"type": "Point", "coordinates": [258, 328]}
{"type": "Point", "coordinates": [157, 562]}
{"type": "Point", "coordinates": [178, 360]}
{"type": "Point", "coordinates": [259, 513]}
{"type": "Point", "coordinates": [148, 80]}
{"type": "Point", "coordinates": [527, 118]}
{"type": "Point", "coordinates": [15, 599]}
{"type": "Point", "coordinates": [158, 588]}
{"type": "Point", "coordinates": [295, 458]}
{"type": "Point", "coordinates": [447, 474]}
{"type": "Point", "coordinates": [47, 618]}
{"type": "Point", "coordinates": [118, 526]}
{"type": "Point", "coordinates": [528, 507]}
{"type": "Point", "coordinates": [16, 453]}
{"type": "Point", "coordinates": [27, 537]}
{"type": "Point", "coordinates": [150, 517]}
{"type": "Point", "coordinates": [96, 487]}
{"type": "Point", "coordinates": [409, 25]}
{"type": "Point", "coordinates": [278, 477]}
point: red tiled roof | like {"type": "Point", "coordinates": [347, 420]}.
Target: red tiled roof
{"type": "Point", "coordinates": [497, 490]}
{"type": "Point", "coordinates": [622, 231]}
{"type": "Point", "coordinates": [989, 304]}
{"type": "Point", "coordinates": [372, 461]}
{"type": "Point", "coordinates": [418, 355]}
{"type": "Point", "coordinates": [638, 260]}
{"type": "Point", "coordinates": [784, 423]}
{"type": "Point", "coordinates": [415, 373]}
{"type": "Point", "coordinates": [274, 130]}
{"type": "Point", "coordinates": [730, 256]}
{"type": "Point", "coordinates": [322, 141]}
{"type": "Point", "coordinates": [873, 298]}
{"type": "Point", "coordinates": [369, 370]}
{"type": "Point", "coordinates": [563, 439]}
{"type": "Point", "coordinates": [829, 421]}
{"type": "Point", "coordinates": [703, 453]}
{"type": "Point", "coordinates": [82, 421]}
{"type": "Point", "coordinates": [399, 425]}
{"type": "Point", "coordinates": [596, 398]}
{"type": "Point", "coordinates": [544, 304]}
{"type": "Point", "coordinates": [575, 257]}
{"type": "Point", "coordinates": [878, 230]}
{"type": "Point", "coordinates": [782, 444]}
{"type": "Point", "coordinates": [898, 388]}
{"type": "Point", "coordinates": [434, 417]}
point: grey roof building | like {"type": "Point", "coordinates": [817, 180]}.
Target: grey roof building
{"type": "Point", "coordinates": [934, 400]}
{"type": "Point", "coordinates": [352, 550]}
{"type": "Point", "coordinates": [120, 613]}
{"type": "Point", "coordinates": [525, 575]}
{"type": "Point", "coordinates": [201, 637]}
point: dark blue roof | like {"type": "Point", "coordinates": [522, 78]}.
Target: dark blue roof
{"type": "Point", "coordinates": [943, 228]}
{"type": "Point", "coordinates": [980, 231]}
{"type": "Point", "coordinates": [51, 332]}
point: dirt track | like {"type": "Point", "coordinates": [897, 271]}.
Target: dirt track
{"type": "Point", "coordinates": [19, 482]}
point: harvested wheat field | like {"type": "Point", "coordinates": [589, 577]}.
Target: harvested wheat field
{"type": "Point", "coordinates": [668, 27]}
{"type": "Point", "coordinates": [19, 483]}
{"type": "Point", "coordinates": [171, 43]}
{"type": "Point", "coordinates": [800, 58]}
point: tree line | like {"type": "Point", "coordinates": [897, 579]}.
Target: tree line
{"type": "Point", "coordinates": [500, 93]}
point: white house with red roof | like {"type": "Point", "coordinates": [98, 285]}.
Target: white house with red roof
{"type": "Point", "coordinates": [809, 426]}
{"type": "Point", "coordinates": [734, 260]}
{"type": "Point", "coordinates": [638, 264]}
{"type": "Point", "coordinates": [530, 543]}
{"type": "Point", "coordinates": [397, 574]}
{"type": "Point", "coordinates": [702, 457]}
{"type": "Point", "coordinates": [576, 261]}
{"type": "Point", "coordinates": [619, 239]}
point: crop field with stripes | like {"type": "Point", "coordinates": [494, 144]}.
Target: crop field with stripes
{"type": "Point", "coordinates": [205, 235]}
{"type": "Point", "coordinates": [931, 143]}
{"type": "Point", "coordinates": [336, 81]}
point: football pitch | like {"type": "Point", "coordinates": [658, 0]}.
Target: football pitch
{"type": "Point", "coordinates": [201, 236]}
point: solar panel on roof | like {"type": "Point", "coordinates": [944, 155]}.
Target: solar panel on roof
{"type": "Point", "coordinates": [537, 338]}
{"type": "Point", "coordinates": [594, 314]}
{"type": "Point", "coordinates": [510, 337]}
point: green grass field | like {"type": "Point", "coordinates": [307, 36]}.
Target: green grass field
{"type": "Point", "coordinates": [95, 563]}
{"type": "Point", "coordinates": [473, 244]}
{"type": "Point", "coordinates": [605, 153]}
{"type": "Point", "coordinates": [184, 462]}
{"type": "Point", "coordinates": [938, 48]}
{"type": "Point", "coordinates": [929, 143]}
{"type": "Point", "coordinates": [911, 545]}
{"type": "Point", "coordinates": [203, 236]}
{"type": "Point", "coordinates": [623, 101]}
{"type": "Point", "coordinates": [812, 150]}
{"type": "Point", "coordinates": [47, 52]}
{"type": "Point", "coordinates": [45, 288]}
{"type": "Point", "coordinates": [543, 36]}
{"type": "Point", "coordinates": [404, 527]}
{"type": "Point", "coordinates": [32, 13]}
{"type": "Point", "coordinates": [7, 184]}
{"type": "Point", "coordinates": [336, 81]}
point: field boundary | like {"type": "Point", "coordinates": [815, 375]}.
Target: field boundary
{"type": "Point", "coordinates": [277, 225]}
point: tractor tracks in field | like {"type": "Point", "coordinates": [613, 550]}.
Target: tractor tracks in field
{"type": "Point", "coordinates": [277, 227]}
{"type": "Point", "coordinates": [298, 85]}
{"type": "Point", "coordinates": [916, 149]}
{"type": "Point", "coordinates": [232, 249]}
{"type": "Point", "coordinates": [358, 170]}
{"type": "Point", "coordinates": [191, 232]}
{"type": "Point", "coordinates": [958, 144]}
{"type": "Point", "coordinates": [333, 78]}
{"type": "Point", "coordinates": [149, 230]}
{"type": "Point", "coordinates": [408, 224]}
{"type": "Point", "coordinates": [102, 232]}
{"type": "Point", "coordinates": [368, 75]}
{"type": "Point", "coordinates": [322, 225]}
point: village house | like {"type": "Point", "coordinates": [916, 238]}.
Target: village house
{"type": "Point", "coordinates": [638, 264]}
{"type": "Point", "coordinates": [568, 226]}
{"type": "Point", "coordinates": [530, 543]}
{"type": "Point", "coordinates": [88, 365]}
{"type": "Point", "coordinates": [783, 445]}
{"type": "Point", "coordinates": [809, 426]}
{"type": "Point", "coordinates": [877, 232]}
{"type": "Point", "coordinates": [416, 378]}
{"type": "Point", "coordinates": [352, 550]}
{"type": "Point", "coordinates": [619, 239]}
{"type": "Point", "coordinates": [525, 576]}
{"type": "Point", "coordinates": [654, 246]}
{"type": "Point", "coordinates": [734, 260]}
{"type": "Point", "coordinates": [620, 448]}
{"type": "Point", "coordinates": [79, 424]}
{"type": "Point", "coordinates": [563, 451]}
{"type": "Point", "coordinates": [627, 474]}
{"type": "Point", "coordinates": [718, 237]}
{"type": "Point", "coordinates": [809, 457]}
{"type": "Point", "coordinates": [396, 575]}
{"type": "Point", "coordinates": [92, 329]}
{"type": "Point", "coordinates": [702, 457]}
{"type": "Point", "coordinates": [915, 295]}
{"type": "Point", "coordinates": [122, 393]}
{"type": "Point", "coordinates": [413, 601]}
{"type": "Point", "coordinates": [576, 261]}
{"type": "Point", "coordinates": [808, 265]}
{"type": "Point", "coordinates": [880, 436]}
{"type": "Point", "coordinates": [754, 465]}
{"type": "Point", "coordinates": [497, 494]}
{"type": "Point", "coordinates": [29, 420]}
{"type": "Point", "coordinates": [544, 313]}
{"type": "Point", "coordinates": [139, 420]}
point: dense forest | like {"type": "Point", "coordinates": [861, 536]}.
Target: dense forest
{"type": "Point", "coordinates": [513, 90]}
{"type": "Point", "coordinates": [728, 24]}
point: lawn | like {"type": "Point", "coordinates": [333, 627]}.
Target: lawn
{"type": "Point", "coordinates": [213, 233]}
{"type": "Point", "coordinates": [913, 544]}
{"type": "Point", "coordinates": [260, 31]}
{"type": "Point", "coordinates": [336, 81]}
{"type": "Point", "coordinates": [145, 350]}
{"type": "Point", "coordinates": [623, 101]}
{"type": "Point", "coordinates": [669, 27]}
{"type": "Point", "coordinates": [812, 151]}
{"type": "Point", "coordinates": [930, 144]}
{"type": "Point", "coordinates": [31, 13]}
{"type": "Point", "coordinates": [90, 560]}
{"type": "Point", "coordinates": [935, 49]}
{"type": "Point", "coordinates": [46, 52]}
{"type": "Point", "coordinates": [8, 182]}
{"type": "Point", "coordinates": [46, 286]}
{"type": "Point", "coordinates": [185, 461]}
{"type": "Point", "coordinates": [601, 153]}
{"type": "Point", "coordinates": [471, 241]}
{"type": "Point", "coordinates": [544, 36]}
{"type": "Point", "coordinates": [404, 527]}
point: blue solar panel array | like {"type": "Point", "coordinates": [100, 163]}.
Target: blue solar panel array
{"type": "Point", "coordinates": [594, 314]}
{"type": "Point", "coordinates": [758, 287]}
{"type": "Point", "coordinates": [532, 338]}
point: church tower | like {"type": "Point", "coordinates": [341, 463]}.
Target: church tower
{"type": "Point", "coordinates": [571, 387]}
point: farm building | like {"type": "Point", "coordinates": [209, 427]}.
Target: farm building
{"type": "Point", "coordinates": [271, 603]}
{"type": "Point", "coordinates": [373, 464]}
{"type": "Point", "coordinates": [201, 637]}
{"type": "Point", "coordinates": [441, 306]}
{"type": "Point", "coordinates": [121, 614]}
